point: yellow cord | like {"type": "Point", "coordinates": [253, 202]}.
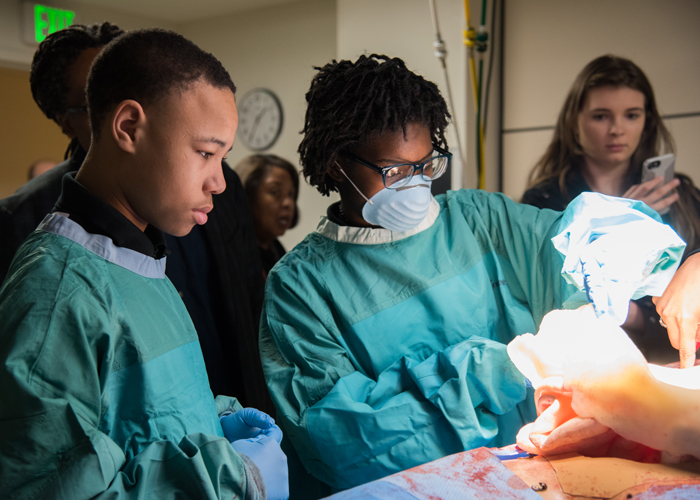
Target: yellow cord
{"type": "Point", "coordinates": [472, 71]}
{"type": "Point", "coordinates": [470, 42]}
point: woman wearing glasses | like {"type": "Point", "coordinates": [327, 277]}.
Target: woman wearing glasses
{"type": "Point", "coordinates": [383, 333]}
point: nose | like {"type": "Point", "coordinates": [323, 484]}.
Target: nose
{"type": "Point", "coordinates": [616, 126]}
{"type": "Point", "coordinates": [216, 184]}
{"type": "Point", "coordinates": [288, 201]}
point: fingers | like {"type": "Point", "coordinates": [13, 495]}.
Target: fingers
{"type": "Point", "coordinates": [256, 418]}
{"type": "Point", "coordinates": [688, 333]}
{"type": "Point", "coordinates": [662, 203]}
{"type": "Point", "coordinates": [667, 188]}
{"type": "Point", "coordinates": [274, 432]}
{"type": "Point", "coordinates": [653, 191]}
{"type": "Point", "coordinates": [639, 191]}
{"type": "Point", "coordinates": [687, 355]}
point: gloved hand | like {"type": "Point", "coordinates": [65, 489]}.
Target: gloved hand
{"type": "Point", "coordinates": [265, 451]}
{"type": "Point", "coordinates": [247, 423]}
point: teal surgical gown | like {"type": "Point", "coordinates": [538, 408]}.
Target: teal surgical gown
{"type": "Point", "coordinates": [104, 392]}
{"type": "Point", "coordinates": [384, 350]}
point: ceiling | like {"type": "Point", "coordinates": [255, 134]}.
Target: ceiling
{"type": "Point", "coordinates": [181, 11]}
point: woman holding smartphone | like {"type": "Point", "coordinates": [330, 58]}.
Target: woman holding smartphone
{"type": "Point", "coordinates": [609, 125]}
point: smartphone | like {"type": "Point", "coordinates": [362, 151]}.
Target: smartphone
{"type": "Point", "coordinates": [659, 166]}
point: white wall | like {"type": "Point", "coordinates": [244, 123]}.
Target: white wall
{"type": "Point", "coordinates": [16, 54]}
{"type": "Point", "coordinates": [547, 43]}
{"type": "Point", "coordinates": [276, 47]}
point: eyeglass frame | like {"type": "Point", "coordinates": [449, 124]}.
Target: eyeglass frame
{"type": "Point", "coordinates": [383, 170]}
{"type": "Point", "coordinates": [81, 109]}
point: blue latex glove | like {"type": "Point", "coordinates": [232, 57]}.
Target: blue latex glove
{"type": "Point", "coordinates": [265, 451]}
{"type": "Point", "coordinates": [247, 423]}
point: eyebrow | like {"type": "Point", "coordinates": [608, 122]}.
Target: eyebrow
{"type": "Point", "coordinates": [400, 161]}
{"type": "Point", "coordinates": [636, 108]}
{"type": "Point", "coordinates": [213, 140]}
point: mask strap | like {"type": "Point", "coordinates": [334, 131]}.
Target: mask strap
{"type": "Point", "coordinates": [353, 184]}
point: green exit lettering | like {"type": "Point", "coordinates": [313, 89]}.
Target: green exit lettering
{"type": "Point", "coordinates": [48, 20]}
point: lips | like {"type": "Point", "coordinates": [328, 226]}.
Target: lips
{"type": "Point", "coordinates": [284, 221]}
{"type": "Point", "coordinates": [616, 147]}
{"type": "Point", "coordinates": [200, 214]}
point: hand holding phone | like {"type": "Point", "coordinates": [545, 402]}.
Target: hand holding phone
{"type": "Point", "coordinates": [658, 194]}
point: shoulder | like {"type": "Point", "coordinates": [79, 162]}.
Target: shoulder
{"type": "Point", "coordinates": [310, 255]}
{"type": "Point", "coordinates": [52, 261]}
{"type": "Point", "coordinates": [52, 281]}
{"type": "Point", "coordinates": [38, 191]}
{"type": "Point", "coordinates": [541, 193]}
{"type": "Point", "coordinates": [473, 201]}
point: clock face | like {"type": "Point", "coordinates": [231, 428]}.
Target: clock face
{"type": "Point", "coordinates": [259, 119]}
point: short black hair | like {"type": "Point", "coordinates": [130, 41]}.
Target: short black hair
{"type": "Point", "coordinates": [48, 77]}
{"type": "Point", "coordinates": [349, 102]}
{"type": "Point", "coordinates": [146, 66]}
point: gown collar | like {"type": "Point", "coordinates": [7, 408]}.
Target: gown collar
{"type": "Point", "coordinates": [375, 236]}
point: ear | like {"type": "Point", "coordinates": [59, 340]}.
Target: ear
{"type": "Point", "coordinates": [65, 125]}
{"type": "Point", "coordinates": [335, 173]}
{"type": "Point", "coordinates": [128, 122]}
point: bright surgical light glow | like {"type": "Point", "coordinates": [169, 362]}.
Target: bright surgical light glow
{"type": "Point", "coordinates": [48, 20]}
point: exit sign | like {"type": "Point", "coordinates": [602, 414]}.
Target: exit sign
{"type": "Point", "coordinates": [42, 20]}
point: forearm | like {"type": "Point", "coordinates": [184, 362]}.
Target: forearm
{"type": "Point", "coordinates": [415, 412]}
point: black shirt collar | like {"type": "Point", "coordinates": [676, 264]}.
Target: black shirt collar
{"type": "Point", "coordinates": [98, 217]}
{"type": "Point", "coordinates": [333, 214]}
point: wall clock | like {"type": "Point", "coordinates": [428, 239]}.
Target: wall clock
{"type": "Point", "coordinates": [259, 119]}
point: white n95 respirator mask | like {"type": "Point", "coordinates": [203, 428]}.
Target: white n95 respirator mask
{"type": "Point", "coordinates": [399, 209]}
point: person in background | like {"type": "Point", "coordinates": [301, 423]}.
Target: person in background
{"type": "Point", "coordinates": [39, 167]}
{"type": "Point", "coordinates": [383, 335]}
{"type": "Point", "coordinates": [104, 388]}
{"type": "Point", "coordinates": [272, 186]}
{"type": "Point", "coordinates": [57, 79]}
{"type": "Point", "coordinates": [215, 268]}
{"type": "Point", "coordinates": [608, 126]}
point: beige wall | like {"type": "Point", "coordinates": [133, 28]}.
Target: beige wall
{"type": "Point", "coordinates": [547, 42]}
{"type": "Point", "coordinates": [276, 47]}
{"type": "Point", "coordinates": [25, 133]}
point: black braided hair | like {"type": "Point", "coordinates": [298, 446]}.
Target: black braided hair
{"type": "Point", "coordinates": [349, 102]}
{"type": "Point", "coordinates": [48, 78]}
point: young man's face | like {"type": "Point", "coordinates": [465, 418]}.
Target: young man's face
{"type": "Point", "coordinates": [177, 165]}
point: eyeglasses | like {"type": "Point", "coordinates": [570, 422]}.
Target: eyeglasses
{"type": "Point", "coordinates": [396, 176]}
{"type": "Point", "coordinates": [82, 109]}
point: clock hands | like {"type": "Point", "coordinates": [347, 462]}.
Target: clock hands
{"type": "Point", "coordinates": [256, 122]}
